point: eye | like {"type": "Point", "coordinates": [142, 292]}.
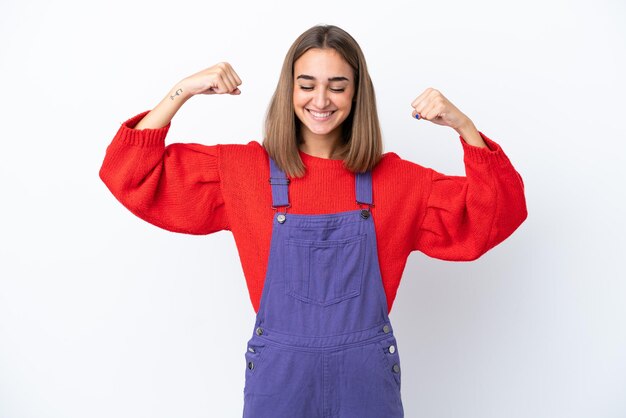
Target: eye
{"type": "Point", "coordinates": [337, 90]}
{"type": "Point", "coordinates": [306, 88]}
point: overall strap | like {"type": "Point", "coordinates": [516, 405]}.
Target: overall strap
{"type": "Point", "coordinates": [280, 184]}
{"type": "Point", "coordinates": [364, 187]}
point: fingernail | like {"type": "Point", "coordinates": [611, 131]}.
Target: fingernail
{"type": "Point", "coordinates": [417, 116]}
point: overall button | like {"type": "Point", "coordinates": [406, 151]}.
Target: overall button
{"type": "Point", "coordinates": [396, 368]}
{"type": "Point", "coordinates": [250, 365]}
{"type": "Point", "coordinates": [250, 349]}
{"type": "Point", "coordinates": [365, 214]}
{"type": "Point", "coordinates": [386, 329]}
{"type": "Point", "coordinates": [392, 349]}
{"type": "Point", "coordinates": [259, 331]}
{"type": "Point", "coordinates": [281, 218]}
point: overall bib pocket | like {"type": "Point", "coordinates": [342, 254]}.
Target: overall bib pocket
{"type": "Point", "coordinates": [324, 272]}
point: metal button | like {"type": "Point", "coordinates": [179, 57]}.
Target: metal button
{"type": "Point", "coordinates": [365, 214]}
{"type": "Point", "coordinates": [250, 349]}
{"type": "Point", "coordinates": [259, 331]}
{"type": "Point", "coordinates": [392, 349]}
{"type": "Point", "coordinates": [396, 368]}
{"type": "Point", "coordinates": [250, 365]}
{"type": "Point", "coordinates": [386, 329]}
{"type": "Point", "coordinates": [281, 218]}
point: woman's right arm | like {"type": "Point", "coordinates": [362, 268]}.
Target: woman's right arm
{"type": "Point", "coordinates": [175, 187]}
{"type": "Point", "coordinates": [218, 79]}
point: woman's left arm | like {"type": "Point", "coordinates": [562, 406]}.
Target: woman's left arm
{"type": "Point", "coordinates": [432, 106]}
{"type": "Point", "coordinates": [466, 216]}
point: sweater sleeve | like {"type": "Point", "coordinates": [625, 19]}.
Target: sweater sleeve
{"type": "Point", "coordinates": [466, 216]}
{"type": "Point", "coordinates": [175, 187]}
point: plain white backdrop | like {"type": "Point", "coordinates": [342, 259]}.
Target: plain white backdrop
{"type": "Point", "coordinates": [105, 315]}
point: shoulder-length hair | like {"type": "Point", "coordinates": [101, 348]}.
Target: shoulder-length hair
{"type": "Point", "coordinates": [361, 146]}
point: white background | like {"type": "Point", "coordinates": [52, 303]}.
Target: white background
{"type": "Point", "coordinates": [105, 315]}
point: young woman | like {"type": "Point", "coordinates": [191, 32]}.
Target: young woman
{"type": "Point", "coordinates": [323, 220]}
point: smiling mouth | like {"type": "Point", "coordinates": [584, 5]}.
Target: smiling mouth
{"type": "Point", "coordinates": [320, 115]}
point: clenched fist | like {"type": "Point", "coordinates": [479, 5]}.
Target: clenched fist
{"type": "Point", "coordinates": [218, 79]}
{"type": "Point", "coordinates": [434, 107]}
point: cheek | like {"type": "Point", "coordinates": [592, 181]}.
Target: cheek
{"type": "Point", "coordinates": [348, 101]}
{"type": "Point", "coordinates": [298, 105]}
{"type": "Point", "coordinates": [298, 108]}
{"type": "Point", "coordinates": [347, 104]}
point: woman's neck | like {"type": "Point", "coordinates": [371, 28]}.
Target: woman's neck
{"type": "Point", "coordinates": [321, 146]}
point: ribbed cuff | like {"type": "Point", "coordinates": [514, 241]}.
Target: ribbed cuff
{"type": "Point", "coordinates": [493, 152]}
{"type": "Point", "coordinates": [141, 137]}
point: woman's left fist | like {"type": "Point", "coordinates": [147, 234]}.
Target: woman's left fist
{"type": "Point", "coordinates": [434, 107]}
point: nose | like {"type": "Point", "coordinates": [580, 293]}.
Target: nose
{"type": "Point", "coordinates": [321, 100]}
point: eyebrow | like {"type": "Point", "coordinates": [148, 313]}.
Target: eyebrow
{"type": "Point", "coordinates": [310, 77]}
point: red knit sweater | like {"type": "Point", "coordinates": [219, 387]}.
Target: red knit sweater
{"type": "Point", "coordinates": [200, 189]}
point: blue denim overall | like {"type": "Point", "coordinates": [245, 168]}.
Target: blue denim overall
{"type": "Point", "coordinates": [322, 344]}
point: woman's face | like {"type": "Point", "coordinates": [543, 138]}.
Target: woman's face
{"type": "Point", "coordinates": [323, 91]}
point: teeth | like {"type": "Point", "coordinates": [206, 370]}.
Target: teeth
{"type": "Point", "coordinates": [320, 115]}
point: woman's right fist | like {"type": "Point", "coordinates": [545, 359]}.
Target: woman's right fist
{"type": "Point", "coordinates": [218, 79]}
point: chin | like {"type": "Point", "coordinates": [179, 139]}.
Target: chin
{"type": "Point", "coordinates": [321, 131]}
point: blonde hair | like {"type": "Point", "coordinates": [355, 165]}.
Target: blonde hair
{"type": "Point", "coordinates": [361, 146]}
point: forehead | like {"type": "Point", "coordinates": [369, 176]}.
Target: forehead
{"type": "Point", "coordinates": [322, 64]}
